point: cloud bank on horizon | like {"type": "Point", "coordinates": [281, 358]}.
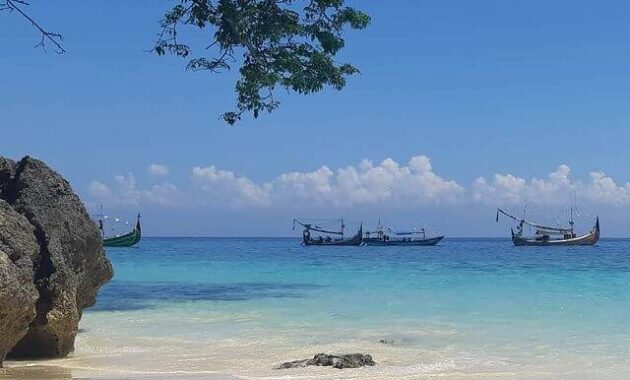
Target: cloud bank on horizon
{"type": "Point", "coordinates": [158, 170]}
{"type": "Point", "coordinates": [366, 184]}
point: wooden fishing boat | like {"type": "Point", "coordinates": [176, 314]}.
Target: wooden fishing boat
{"type": "Point", "coordinates": [407, 242]}
{"type": "Point", "coordinates": [125, 240]}
{"type": "Point", "coordinates": [550, 236]}
{"type": "Point", "coordinates": [329, 237]}
{"type": "Point", "coordinates": [381, 237]}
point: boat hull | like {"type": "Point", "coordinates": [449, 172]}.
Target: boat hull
{"type": "Point", "coordinates": [590, 238]}
{"type": "Point", "coordinates": [403, 243]}
{"type": "Point", "coordinates": [127, 240]}
{"type": "Point", "coordinates": [356, 240]}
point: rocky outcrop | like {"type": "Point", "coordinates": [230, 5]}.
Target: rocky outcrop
{"type": "Point", "coordinates": [18, 249]}
{"type": "Point", "coordinates": [7, 173]}
{"type": "Point", "coordinates": [335, 361]}
{"type": "Point", "coordinates": [69, 265]}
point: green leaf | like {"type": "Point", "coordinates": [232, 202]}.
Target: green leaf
{"type": "Point", "coordinates": [289, 44]}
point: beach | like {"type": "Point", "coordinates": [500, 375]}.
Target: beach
{"type": "Point", "coordinates": [466, 309]}
{"type": "Point", "coordinates": [301, 190]}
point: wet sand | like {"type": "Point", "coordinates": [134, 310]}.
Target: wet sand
{"type": "Point", "coordinates": [51, 370]}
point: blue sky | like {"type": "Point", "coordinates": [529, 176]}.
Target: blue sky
{"type": "Point", "coordinates": [480, 88]}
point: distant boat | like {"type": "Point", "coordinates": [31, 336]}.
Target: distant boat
{"type": "Point", "coordinates": [547, 235]}
{"type": "Point", "coordinates": [125, 240]}
{"type": "Point", "coordinates": [389, 237]}
{"type": "Point", "coordinates": [331, 237]}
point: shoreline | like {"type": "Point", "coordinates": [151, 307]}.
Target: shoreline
{"type": "Point", "coordinates": [53, 370]}
{"type": "Point", "coordinates": [86, 367]}
{"type": "Point", "coordinates": [58, 369]}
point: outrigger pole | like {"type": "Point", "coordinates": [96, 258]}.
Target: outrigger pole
{"type": "Point", "coordinates": [311, 227]}
{"type": "Point", "coordinates": [508, 215]}
{"type": "Point", "coordinates": [535, 225]}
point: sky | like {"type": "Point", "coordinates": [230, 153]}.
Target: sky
{"type": "Point", "coordinates": [460, 107]}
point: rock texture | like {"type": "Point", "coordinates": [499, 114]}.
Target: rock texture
{"type": "Point", "coordinates": [7, 173]}
{"type": "Point", "coordinates": [69, 264]}
{"type": "Point", "coordinates": [18, 249]}
{"type": "Point", "coordinates": [335, 361]}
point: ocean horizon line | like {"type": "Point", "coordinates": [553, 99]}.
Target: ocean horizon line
{"type": "Point", "coordinates": [299, 237]}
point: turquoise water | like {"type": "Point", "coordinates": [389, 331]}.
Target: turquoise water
{"type": "Point", "coordinates": [468, 307]}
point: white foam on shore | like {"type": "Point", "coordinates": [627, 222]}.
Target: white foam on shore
{"type": "Point", "coordinates": [117, 356]}
{"type": "Point", "coordinates": [188, 344]}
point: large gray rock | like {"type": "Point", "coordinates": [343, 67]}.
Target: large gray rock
{"type": "Point", "coordinates": [7, 173]}
{"type": "Point", "coordinates": [335, 361]}
{"type": "Point", "coordinates": [70, 265]}
{"type": "Point", "coordinates": [18, 249]}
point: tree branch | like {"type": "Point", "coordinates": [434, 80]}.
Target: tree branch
{"type": "Point", "coordinates": [277, 43]}
{"type": "Point", "coordinates": [54, 38]}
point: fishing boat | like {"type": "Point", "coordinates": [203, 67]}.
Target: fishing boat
{"type": "Point", "coordinates": [120, 240]}
{"type": "Point", "coordinates": [389, 237]}
{"type": "Point", "coordinates": [548, 235]}
{"type": "Point", "coordinates": [328, 236]}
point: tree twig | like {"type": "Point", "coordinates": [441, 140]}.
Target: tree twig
{"type": "Point", "coordinates": [54, 38]}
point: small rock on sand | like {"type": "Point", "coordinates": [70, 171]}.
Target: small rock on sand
{"type": "Point", "coordinates": [335, 361]}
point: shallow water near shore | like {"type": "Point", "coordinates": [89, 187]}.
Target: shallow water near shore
{"type": "Point", "coordinates": [224, 308]}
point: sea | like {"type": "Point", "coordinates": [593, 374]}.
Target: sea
{"type": "Point", "coordinates": [236, 308]}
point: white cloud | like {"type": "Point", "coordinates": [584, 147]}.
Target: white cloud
{"type": "Point", "coordinates": [365, 184]}
{"type": "Point", "coordinates": [387, 183]}
{"type": "Point", "coordinates": [158, 170]}
{"type": "Point", "coordinates": [125, 191]}
{"type": "Point", "coordinates": [312, 186]}
{"type": "Point", "coordinates": [99, 190]}
{"type": "Point", "coordinates": [604, 189]}
{"type": "Point", "coordinates": [224, 187]}
{"type": "Point", "coordinates": [557, 189]}
{"type": "Point", "coordinates": [508, 189]}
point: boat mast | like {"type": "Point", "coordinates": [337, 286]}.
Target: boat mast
{"type": "Point", "coordinates": [138, 228]}
{"type": "Point", "coordinates": [571, 222]}
{"type": "Point", "coordinates": [100, 220]}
